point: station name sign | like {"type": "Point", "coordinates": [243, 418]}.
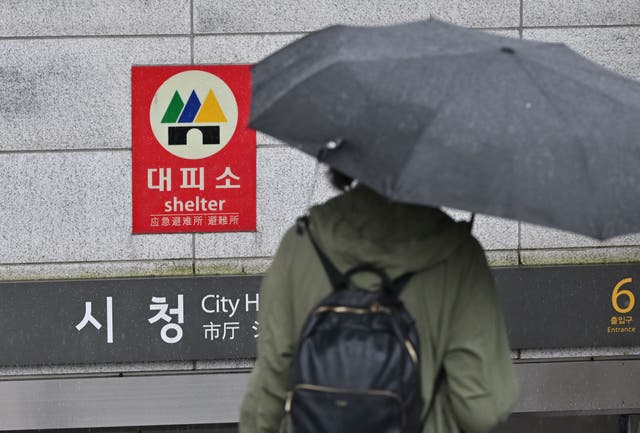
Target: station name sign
{"type": "Point", "coordinates": [129, 320]}
{"type": "Point", "coordinates": [216, 317]}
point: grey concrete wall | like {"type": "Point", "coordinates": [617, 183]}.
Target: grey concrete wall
{"type": "Point", "coordinates": [65, 150]}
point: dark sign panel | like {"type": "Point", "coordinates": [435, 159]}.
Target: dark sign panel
{"type": "Point", "coordinates": [128, 320]}
{"type": "Point", "coordinates": [207, 318]}
{"type": "Point", "coordinates": [570, 306]}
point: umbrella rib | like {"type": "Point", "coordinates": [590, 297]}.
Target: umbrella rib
{"type": "Point", "coordinates": [283, 51]}
{"type": "Point", "coordinates": [544, 93]}
{"type": "Point", "coordinates": [284, 91]}
{"type": "Point", "coordinates": [445, 98]}
{"type": "Point", "coordinates": [595, 89]}
{"type": "Point", "coordinates": [566, 121]}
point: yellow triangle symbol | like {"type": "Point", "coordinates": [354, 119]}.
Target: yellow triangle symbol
{"type": "Point", "coordinates": [211, 112]}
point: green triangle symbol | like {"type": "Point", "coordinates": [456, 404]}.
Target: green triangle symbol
{"type": "Point", "coordinates": [174, 109]}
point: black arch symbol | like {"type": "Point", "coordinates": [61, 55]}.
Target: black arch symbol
{"type": "Point", "coordinates": [178, 134]}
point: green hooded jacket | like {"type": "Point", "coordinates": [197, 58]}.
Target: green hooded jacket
{"type": "Point", "coordinates": [451, 296]}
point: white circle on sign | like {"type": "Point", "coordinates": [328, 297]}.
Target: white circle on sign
{"type": "Point", "coordinates": [193, 114]}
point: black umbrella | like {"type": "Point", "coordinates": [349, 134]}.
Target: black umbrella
{"type": "Point", "coordinates": [435, 114]}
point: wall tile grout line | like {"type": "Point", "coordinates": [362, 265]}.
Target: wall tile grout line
{"type": "Point", "coordinates": [578, 248]}
{"type": "Point", "coordinates": [192, 34]}
{"type": "Point", "coordinates": [304, 32]}
{"type": "Point", "coordinates": [193, 253]}
{"type": "Point", "coordinates": [519, 243]}
{"type": "Point", "coordinates": [95, 262]}
{"type": "Point", "coordinates": [34, 151]}
{"type": "Point", "coordinates": [582, 26]}
{"type": "Point", "coordinates": [193, 235]}
{"type": "Point", "coordinates": [520, 28]}
{"type": "Point", "coordinates": [115, 149]}
{"type": "Point", "coordinates": [116, 36]}
{"type": "Point", "coordinates": [133, 261]}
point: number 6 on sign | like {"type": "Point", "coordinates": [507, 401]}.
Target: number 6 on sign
{"type": "Point", "coordinates": [617, 293]}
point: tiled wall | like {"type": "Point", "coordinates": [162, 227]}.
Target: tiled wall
{"type": "Point", "coordinates": [65, 160]}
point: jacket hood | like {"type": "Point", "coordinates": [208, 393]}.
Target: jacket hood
{"type": "Point", "coordinates": [360, 226]}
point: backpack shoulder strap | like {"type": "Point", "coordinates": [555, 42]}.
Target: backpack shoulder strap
{"type": "Point", "coordinates": [336, 278]}
{"type": "Point", "coordinates": [399, 283]}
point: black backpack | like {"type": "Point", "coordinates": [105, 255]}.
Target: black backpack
{"type": "Point", "coordinates": [356, 368]}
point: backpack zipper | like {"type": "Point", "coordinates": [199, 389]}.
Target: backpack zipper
{"type": "Point", "coordinates": [412, 352]}
{"type": "Point", "coordinates": [287, 403]}
{"type": "Point", "coordinates": [373, 309]}
{"type": "Point", "coordinates": [328, 389]}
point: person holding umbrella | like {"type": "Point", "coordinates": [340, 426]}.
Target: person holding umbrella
{"type": "Point", "coordinates": [423, 115]}
{"type": "Point", "coordinates": [451, 295]}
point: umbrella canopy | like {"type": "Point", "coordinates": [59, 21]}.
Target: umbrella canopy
{"type": "Point", "coordinates": [435, 114]}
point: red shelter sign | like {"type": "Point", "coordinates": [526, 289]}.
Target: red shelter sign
{"type": "Point", "coordinates": [193, 156]}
